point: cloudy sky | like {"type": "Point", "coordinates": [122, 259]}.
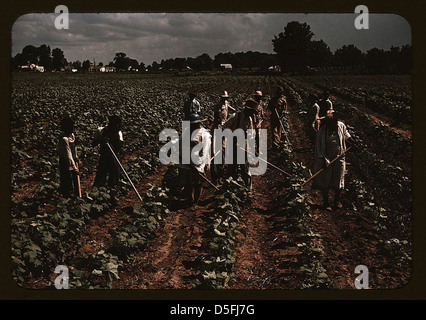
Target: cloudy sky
{"type": "Point", "coordinates": [154, 36]}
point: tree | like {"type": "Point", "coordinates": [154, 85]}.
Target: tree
{"type": "Point", "coordinates": [400, 59]}
{"type": "Point", "coordinates": [269, 60]}
{"type": "Point", "coordinates": [349, 55]}
{"type": "Point", "coordinates": [121, 62]}
{"type": "Point", "coordinates": [33, 55]}
{"type": "Point", "coordinates": [292, 46]}
{"type": "Point", "coordinates": [226, 58]}
{"type": "Point", "coordinates": [58, 59]}
{"type": "Point", "coordinates": [377, 61]}
{"type": "Point", "coordinates": [206, 63]}
{"type": "Point", "coordinates": [44, 57]}
{"type": "Point", "coordinates": [77, 65]}
{"type": "Point", "coordinates": [319, 54]}
{"type": "Point", "coordinates": [202, 62]}
{"type": "Point", "coordinates": [30, 54]}
{"type": "Point", "coordinates": [124, 63]}
{"type": "Point", "coordinates": [404, 61]}
{"type": "Point", "coordinates": [133, 64]}
{"type": "Point", "coordinates": [86, 65]}
{"type": "Point", "coordinates": [155, 66]}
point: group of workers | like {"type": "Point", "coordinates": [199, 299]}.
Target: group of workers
{"type": "Point", "coordinates": [326, 131]}
{"type": "Point", "coordinates": [226, 116]}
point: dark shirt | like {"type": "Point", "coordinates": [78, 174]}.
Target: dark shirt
{"type": "Point", "coordinates": [113, 137]}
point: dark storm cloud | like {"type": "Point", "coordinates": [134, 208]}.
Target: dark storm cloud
{"type": "Point", "coordinates": [149, 37]}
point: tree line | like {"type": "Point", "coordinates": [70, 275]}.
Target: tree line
{"type": "Point", "coordinates": [55, 60]}
{"type": "Point", "coordinates": [295, 51]}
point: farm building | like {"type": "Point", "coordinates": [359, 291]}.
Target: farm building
{"type": "Point", "coordinates": [32, 67]}
{"type": "Point", "coordinates": [95, 68]}
{"type": "Point", "coordinates": [274, 69]}
{"type": "Point", "coordinates": [108, 69]}
{"type": "Point", "coordinates": [98, 68]}
{"type": "Point", "coordinates": [227, 66]}
{"type": "Point", "coordinates": [69, 68]}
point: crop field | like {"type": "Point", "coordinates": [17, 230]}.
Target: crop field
{"type": "Point", "coordinates": [276, 237]}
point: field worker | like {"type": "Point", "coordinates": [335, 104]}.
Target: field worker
{"type": "Point", "coordinates": [108, 166]}
{"type": "Point", "coordinates": [258, 96]}
{"type": "Point", "coordinates": [68, 160]}
{"type": "Point", "coordinates": [278, 108]}
{"type": "Point", "coordinates": [244, 119]}
{"type": "Point", "coordinates": [325, 104]}
{"type": "Point", "coordinates": [189, 174]}
{"type": "Point", "coordinates": [222, 111]}
{"type": "Point", "coordinates": [191, 106]}
{"type": "Point", "coordinates": [313, 115]}
{"type": "Point", "coordinates": [330, 143]}
{"type": "Point", "coordinates": [258, 119]}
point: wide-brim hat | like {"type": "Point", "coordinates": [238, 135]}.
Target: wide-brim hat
{"type": "Point", "coordinates": [194, 118]}
{"type": "Point", "coordinates": [258, 93]}
{"type": "Point", "coordinates": [251, 104]}
{"type": "Point", "coordinates": [330, 112]}
{"type": "Point", "coordinates": [225, 95]}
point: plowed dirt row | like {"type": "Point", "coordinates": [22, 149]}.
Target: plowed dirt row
{"type": "Point", "coordinates": [170, 261]}
{"type": "Point", "coordinates": [261, 263]}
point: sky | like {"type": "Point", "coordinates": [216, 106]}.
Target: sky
{"type": "Point", "coordinates": [149, 37]}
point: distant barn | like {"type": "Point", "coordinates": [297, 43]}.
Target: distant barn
{"type": "Point", "coordinates": [32, 67]}
{"type": "Point", "coordinates": [275, 68]}
{"type": "Point", "coordinates": [226, 66]}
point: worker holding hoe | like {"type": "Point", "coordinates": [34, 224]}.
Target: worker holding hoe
{"type": "Point", "coordinates": [222, 111]}
{"type": "Point", "coordinates": [68, 160]}
{"type": "Point", "coordinates": [278, 108]}
{"type": "Point", "coordinates": [258, 97]}
{"type": "Point", "coordinates": [245, 119]}
{"type": "Point", "coordinates": [191, 106]}
{"type": "Point", "coordinates": [106, 137]}
{"type": "Point", "coordinates": [330, 144]}
{"type": "Point", "coordinates": [324, 104]}
{"type": "Point", "coordinates": [192, 175]}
